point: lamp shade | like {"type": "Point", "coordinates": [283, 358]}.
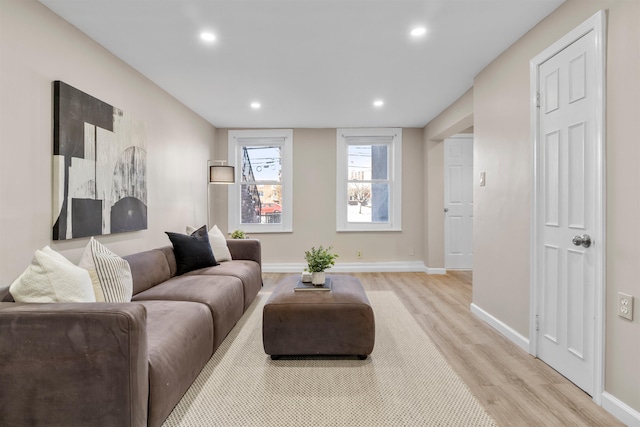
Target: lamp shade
{"type": "Point", "coordinates": [221, 174]}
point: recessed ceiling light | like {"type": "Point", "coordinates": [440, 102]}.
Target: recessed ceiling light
{"type": "Point", "coordinates": [255, 105]}
{"type": "Point", "coordinates": [378, 103]}
{"type": "Point", "coordinates": [207, 36]}
{"type": "Point", "coordinates": [418, 31]}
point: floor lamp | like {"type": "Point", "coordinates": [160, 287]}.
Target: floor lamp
{"type": "Point", "coordinates": [219, 173]}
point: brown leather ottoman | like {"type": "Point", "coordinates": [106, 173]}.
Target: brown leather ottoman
{"type": "Point", "coordinates": [338, 322]}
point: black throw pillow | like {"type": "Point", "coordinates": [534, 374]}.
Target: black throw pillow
{"type": "Point", "coordinates": [192, 252]}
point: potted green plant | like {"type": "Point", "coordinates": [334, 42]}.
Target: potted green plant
{"type": "Point", "coordinates": [318, 260]}
{"type": "Point", "coordinates": [238, 234]}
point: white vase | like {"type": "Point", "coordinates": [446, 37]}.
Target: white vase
{"type": "Point", "coordinates": [317, 278]}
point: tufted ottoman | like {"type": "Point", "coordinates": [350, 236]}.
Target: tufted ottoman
{"type": "Point", "coordinates": [338, 322]}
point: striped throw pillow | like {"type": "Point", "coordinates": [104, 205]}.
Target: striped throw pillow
{"type": "Point", "coordinates": [110, 273]}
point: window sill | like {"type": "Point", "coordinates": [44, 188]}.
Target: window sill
{"type": "Point", "coordinates": [255, 230]}
{"type": "Point", "coordinates": [367, 230]}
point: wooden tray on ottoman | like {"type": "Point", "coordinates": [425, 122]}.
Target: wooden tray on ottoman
{"type": "Point", "coordinates": [337, 322]}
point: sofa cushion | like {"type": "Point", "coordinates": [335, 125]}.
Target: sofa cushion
{"type": "Point", "coordinates": [110, 274]}
{"type": "Point", "coordinates": [218, 243]}
{"type": "Point", "coordinates": [180, 342]}
{"type": "Point", "coordinates": [247, 271]}
{"type": "Point", "coordinates": [52, 278]}
{"type": "Point", "coordinates": [193, 251]}
{"type": "Point", "coordinates": [148, 268]}
{"type": "Point", "coordinates": [223, 295]}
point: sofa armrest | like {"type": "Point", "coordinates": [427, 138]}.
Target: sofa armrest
{"type": "Point", "coordinates": [74, 364]}
{"type": "Point", "coordinates": [247, 249]}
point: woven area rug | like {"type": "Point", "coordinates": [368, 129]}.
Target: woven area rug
{"type": "Point", "coordinates": [405, 381]}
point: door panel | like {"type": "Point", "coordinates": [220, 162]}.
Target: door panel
{"type": "Point", "coordinates": [551, 293]}
{"type": "Point", "coordinates": [552, 179]}
{"type": "Point", "coordinates": [576, 303]}
{"type": "Point", "coordinates": [577, 176]}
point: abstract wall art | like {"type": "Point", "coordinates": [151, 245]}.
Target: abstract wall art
{"type": "Point", "coordinates": [99, 167]}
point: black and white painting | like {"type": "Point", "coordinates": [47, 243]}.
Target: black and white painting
{"type": "Point", "coordinates": [99, 167]}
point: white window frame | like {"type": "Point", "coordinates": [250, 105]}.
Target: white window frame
{"type": "Point", "coordinates": [392, 137]}
{"type": "Point", "coordinates": [271, 137]}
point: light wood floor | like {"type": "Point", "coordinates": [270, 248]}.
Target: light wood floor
{"type": "Point", "coordinates": [514, 387]}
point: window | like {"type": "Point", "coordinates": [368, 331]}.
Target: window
{"type": "Point", "coordinates": [260, 201]}
{"type": "Point", "coordinates": [369, 181]}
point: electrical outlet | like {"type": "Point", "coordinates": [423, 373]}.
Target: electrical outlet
{"type": "Point", "coordinates": [483, 179]}
{"type": "Point", "coordinates": [359, 254]}
{"type": "Point", "coordinates": [625, 306]}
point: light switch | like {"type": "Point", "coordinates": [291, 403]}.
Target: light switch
{"type": "Point", "coordinates": [482, 179]}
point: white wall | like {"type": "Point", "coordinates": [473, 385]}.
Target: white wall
{"type": "Point", "coordinates": [38, 47]}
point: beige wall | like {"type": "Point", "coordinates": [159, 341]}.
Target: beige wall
{"type": "Point", "coordinates": [36, 48]}
{"type": "Point", "coordinates": [314, 215]}
{"type": "Point", "coordinates": [502, 208]}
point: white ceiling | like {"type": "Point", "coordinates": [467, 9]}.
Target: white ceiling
{"type": "Point", "coordinates": [310, 63]}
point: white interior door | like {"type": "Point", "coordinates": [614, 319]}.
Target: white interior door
{"type": "Point", "coordinates": [568, 211]}
{"type": "Point", "coordinates": [458, 202]}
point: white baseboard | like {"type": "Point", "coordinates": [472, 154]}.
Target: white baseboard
{"type": "Point", "coordinates": [620, 410]}
{"type": "Point", "coordinates": [506, 330]}
{"type": "Point", "coordinates": [436, 270]}
{"type": "Point", "coordinates": [354, 267]}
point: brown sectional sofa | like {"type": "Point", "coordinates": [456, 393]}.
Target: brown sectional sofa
{"type": "Point", "coordinates": [122, 364]}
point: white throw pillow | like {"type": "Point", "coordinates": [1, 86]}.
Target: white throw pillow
{"type": "Point", "coordinates": [112, 273]}
{"type": "Point", "coordinates": [52, 278]}
{"type": "Point", "coordinates": [218, 243]}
